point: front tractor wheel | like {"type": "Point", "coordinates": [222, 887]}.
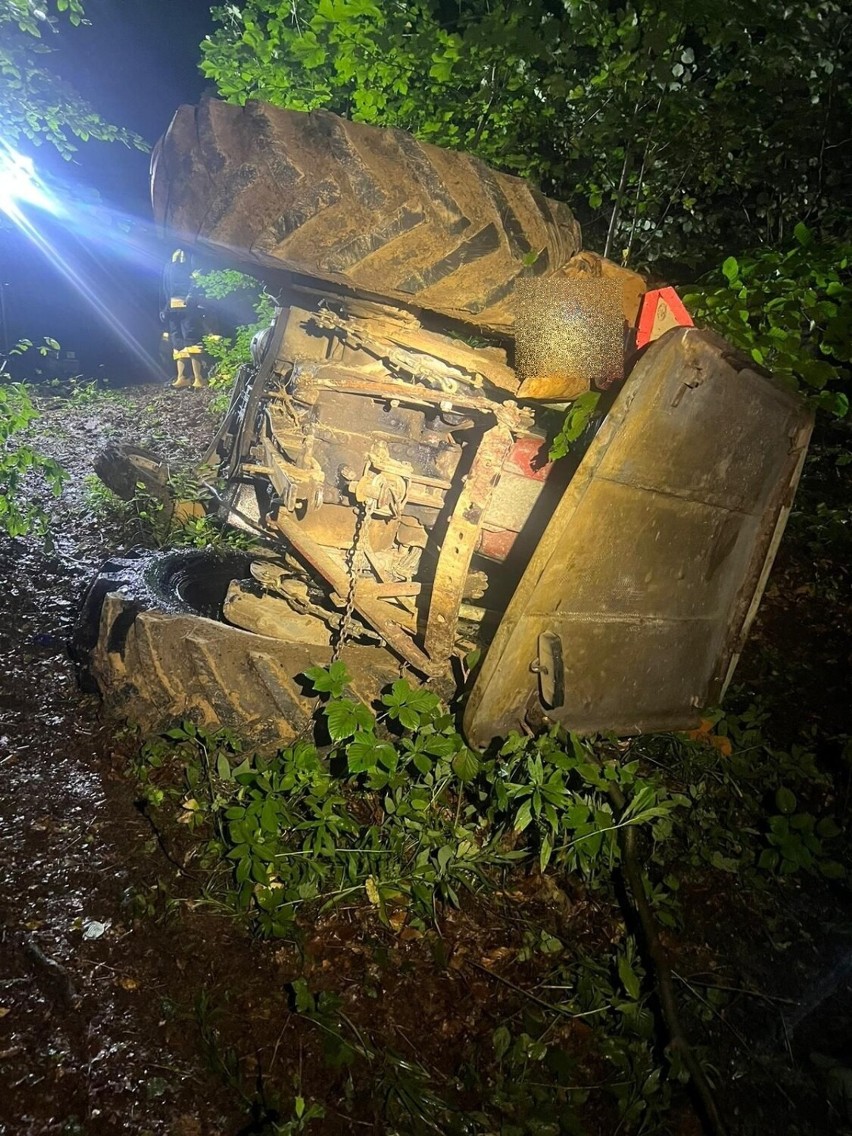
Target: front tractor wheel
{"type": "Point", "coordinates": [153, 641]}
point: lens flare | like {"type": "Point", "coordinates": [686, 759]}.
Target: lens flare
{"type": "Point", "coordinates": [21, 185]}
{"type": "Point", "coordinates": [22, 191]}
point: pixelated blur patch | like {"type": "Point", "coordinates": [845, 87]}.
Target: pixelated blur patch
{"type": "Point", "coordinates": [569, 335]}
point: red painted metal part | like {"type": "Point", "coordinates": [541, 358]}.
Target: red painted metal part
{"type": "Point", "coordinates": [496, 545]}
{"type": "Point", "coordinates": [528, 457]}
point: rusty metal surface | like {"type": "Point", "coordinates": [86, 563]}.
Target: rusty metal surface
{"type": "Point", "coordinates": [522, 478]}
{"type": "Point", "coordinates": [315, 379]}
{"type": "Point", "coordinates": [414, 354]}
{"type": "Point", "coordinates": [460, 541]}
{"type": "Point", "coordinates": [655, 558]}
{"type": "Point", "coordinates": [381, 616]}
{"type": "Point", "coordinates": [497, 544]}
{"type": "Point", "coordinates": [333, 526]}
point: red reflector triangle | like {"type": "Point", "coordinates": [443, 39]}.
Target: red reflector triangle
{"type": "Point", "coordinates": [662, 309]}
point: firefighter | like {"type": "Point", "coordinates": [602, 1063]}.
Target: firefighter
{"type": "Point", "coordinates": [184, 319]}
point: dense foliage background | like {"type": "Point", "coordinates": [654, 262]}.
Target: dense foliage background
{"type": "Point", "coordinates": [679, 132]}
{"type": "Point", "coordinates": [35, 103]}
{"type": "Point", "coordinates": [701, 142]}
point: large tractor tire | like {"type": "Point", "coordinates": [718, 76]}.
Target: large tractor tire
{"type": "Point", "coordinates": [370, 209]}
{"type": "Point", "coordinates": [152, 641]}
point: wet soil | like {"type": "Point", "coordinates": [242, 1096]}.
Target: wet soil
{"type": "Point", "coordinates": [91, 1031]}
{"type": "Point", "coordinates": [130, 1005]}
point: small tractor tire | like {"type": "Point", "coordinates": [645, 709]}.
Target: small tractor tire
{"type": "Point", "coordinates": [143, 643]}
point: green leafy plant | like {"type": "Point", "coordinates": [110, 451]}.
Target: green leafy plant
{"type": "Point", "coordinates": [146, 519]}
{"type": "Point", "coordinates": [563, 793]}
{"type": "Point", "coordinates": [395, 818]}
{"type": "Point", "coordinates": [303, 1114]}
{"type": "Point", "coordinates": [80, 392]}
{"type": "Point", "coordinates": [269, 1115]}
{"type": "Point", "coordinates": [791, 311]}
{"type": "Point", "coordinates": [405, 1087]}
{"type": "Point", "coordinates": [18, 461]}
{"type": "Point", "coordinates": [662, 127]}
{"type": "Point", "coordinates": [797, 840]}
{"type": "Point", "coordinates": [729, 771]}
{"type": "Point", "coordinates": [99, 498]}
{"type": "Point", "coordinates": [528, 1083]}
{"type": "Point", "coordinates": [230, 353]}
{"type": "Point", "coordinates": [576, 421]}
{"type": "Point", "coordinates": [417, 817]}
{"type": "Point", "coordinates": [222, 283]}
{"type": "Point", "coordinates": [206, 532]}
{"type": "Point", "coordinates": [35, 103]}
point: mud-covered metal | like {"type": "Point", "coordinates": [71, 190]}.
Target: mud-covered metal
{"type": "Point", "coordinates": [379, 615]}
{"type": "Point", "coordinates": [637, 583]}
{"type": "Point", "coordinates": [653, 563]}
{"type": "Point", "coordinates": [398, 472]}
{"type": "Point", "coordinates": [459, 543]}
{"type": "Point", "coordinates": [366, 411]}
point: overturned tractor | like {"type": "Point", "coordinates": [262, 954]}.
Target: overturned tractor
{"type": "Point", "coordinates": [388, 447]}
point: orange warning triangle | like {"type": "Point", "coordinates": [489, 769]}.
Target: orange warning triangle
{"type": "Point", "coordinates": [662, 309]}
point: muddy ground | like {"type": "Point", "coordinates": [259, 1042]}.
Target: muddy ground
{"type": "Point", "coordinates": [94, 1036]}
{"type": "Point", "coordinates": [126, 1006]}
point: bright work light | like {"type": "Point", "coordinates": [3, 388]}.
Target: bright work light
{"type": "Point", "coordinates": [20, 184]}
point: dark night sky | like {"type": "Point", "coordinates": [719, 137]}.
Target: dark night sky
{"type": "Point", "coordinates": [136, 64]}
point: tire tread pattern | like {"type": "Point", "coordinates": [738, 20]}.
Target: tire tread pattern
{"type": "Point", "coordinates": [373, 210]}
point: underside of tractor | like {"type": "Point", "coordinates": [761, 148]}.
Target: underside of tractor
{"type": "Point", "coordinates": [388, 445]}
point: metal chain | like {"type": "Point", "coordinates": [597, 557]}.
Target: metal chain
{"type": "Point", "coordinates": [344, 629]}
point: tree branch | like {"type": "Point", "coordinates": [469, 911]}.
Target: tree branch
{"type": "Point", "coordinates": [619, 194]}
{"type": "Point", "coordinates": [710, 1116]}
